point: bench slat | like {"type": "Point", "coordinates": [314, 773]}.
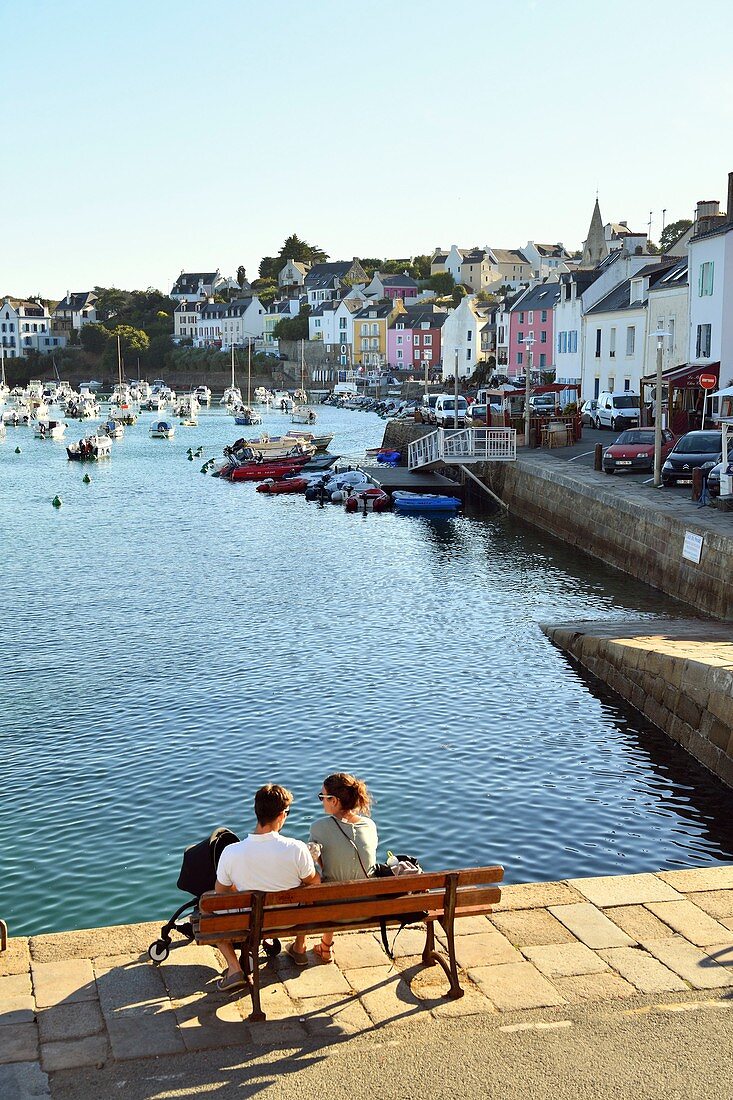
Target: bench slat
{"type": "Point", "coordinates": [297, 916]}
{"type": "Point", "coordinates": [354, 890]}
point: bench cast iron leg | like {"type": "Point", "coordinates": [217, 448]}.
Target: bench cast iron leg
{"type": "Point", "coordinates": [3, 935]}
{"type": "Point", "coordinates": [455, 990]}
{"type": "Point", "coordinates": [256, 1015]}
{"type": "Point", "coordinates": [428, 955]}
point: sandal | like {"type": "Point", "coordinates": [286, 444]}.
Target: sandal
{"type": "Point", "coordinates": [299, 957]}
{"type": "Point", "coordinates": [233, 981]}
{"type": "Point", "coordinates": [323, 952]}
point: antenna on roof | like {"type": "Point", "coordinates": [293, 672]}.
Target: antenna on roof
{"type": "Point", "coordinates": [649, 235]}
{"type": "Point", "coordinates": [664, 211]}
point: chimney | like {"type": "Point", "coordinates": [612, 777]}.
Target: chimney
{"type": "Point", "coordinates": [706, 208]}
{"type": "Point", "coordinates": [624, 224]}
{"type": "Point", "coordinates": [730, 196]}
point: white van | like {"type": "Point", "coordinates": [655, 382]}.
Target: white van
{"type": "Point", "coordinates": [618, 410]}
{"type": "Point", "coordinates": [445, 411]}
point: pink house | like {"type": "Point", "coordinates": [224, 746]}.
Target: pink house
{"type": "Point", "coordinates": [414, 338]}
{"type": "Point", "coordinates": [532, 328]}
{"type": "Point", "coordinates": [392, 287]}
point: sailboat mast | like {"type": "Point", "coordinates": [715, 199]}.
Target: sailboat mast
{"type": "Point", "coordinates": [249, 368]}
{"type": "Point", "coordinates": [232, 366]}
{"type": "Point", "coordinates": [119, 360]}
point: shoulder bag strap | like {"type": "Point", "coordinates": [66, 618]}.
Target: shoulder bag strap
{"type": "Point", "coordinates": [353, 845]}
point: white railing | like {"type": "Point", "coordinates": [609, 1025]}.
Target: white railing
{"type": "Point", "coordinates": [467, 445]}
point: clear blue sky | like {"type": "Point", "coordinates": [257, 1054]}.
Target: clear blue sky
{"type": "Point", "coordinates": [145, 137]}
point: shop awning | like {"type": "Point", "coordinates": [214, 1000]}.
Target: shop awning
{"type": "Point", "coordinates": [683, 376]}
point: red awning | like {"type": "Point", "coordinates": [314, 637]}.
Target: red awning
{"type": "Point", "coordinates": [688, 375]}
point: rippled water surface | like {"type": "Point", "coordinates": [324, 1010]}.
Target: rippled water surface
{"type": "Point", "coordinates": [171, 641]}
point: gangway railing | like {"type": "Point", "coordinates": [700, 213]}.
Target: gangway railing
{"type": "Point", "coordinates": [467, 445]}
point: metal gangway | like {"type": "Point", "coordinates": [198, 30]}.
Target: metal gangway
{"type": "Point", "coordinates": [467, 446]}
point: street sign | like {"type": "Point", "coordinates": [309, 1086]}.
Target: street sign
{"type": "Point", "coordinates": [708, 381]}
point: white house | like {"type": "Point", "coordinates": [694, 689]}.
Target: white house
{"type": "Point", "coordinates": [546, 259]}
{"type": "Point", "coordinates": [293, 274]}
{"type": "Point", "coordinates": [185, 319]}
{"type": "Point", "coordinates": [286, 309]}
{"type": "Point", "coordinates": [461, 337]}
{"type": "Point", "coordinates": [197, 286]}
{"type": "Point", "coordinates": [243, 320]}
{"type": "Point", "coordinates": [711, 291]}
{"type": "Point", "coordinates": [668, 310]}
{"type": "Point", "coordinates": [615, 333]}
{"type": "Point", "coordinates": [75, 310]}
{"type": "Point", "coordinates": [26, 326]}
{"type": "Point", "coordinates": [323, 281]}
{"type": "Point", "coordinates": [448, 261]}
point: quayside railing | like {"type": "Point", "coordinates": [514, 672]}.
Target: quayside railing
{"type": "Point", "coordinates": [467, 445]}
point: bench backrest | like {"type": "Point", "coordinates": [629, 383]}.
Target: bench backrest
{"type": "Point", "coordinates": [472, 890]}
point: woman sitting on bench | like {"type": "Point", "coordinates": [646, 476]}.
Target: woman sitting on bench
{"type": "Point", "coordinates": [347, 837]}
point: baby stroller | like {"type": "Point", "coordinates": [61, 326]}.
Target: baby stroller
{"type": "Point", "coordinates": [198, 874]}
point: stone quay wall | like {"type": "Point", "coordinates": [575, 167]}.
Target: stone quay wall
{"type": "Point", "coordinates": [679, 673]}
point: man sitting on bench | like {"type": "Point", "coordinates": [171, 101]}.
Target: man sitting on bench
{"type": "Point", "coordinates": [265, 861]}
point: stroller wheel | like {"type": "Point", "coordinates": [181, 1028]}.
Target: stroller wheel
{"type": "Point", "coordinates": [272, 948]}
{"type": "Point", "coordinates": [158, 952]}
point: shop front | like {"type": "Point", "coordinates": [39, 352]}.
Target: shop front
{"type": "Point", "coordinates": [683, 397]}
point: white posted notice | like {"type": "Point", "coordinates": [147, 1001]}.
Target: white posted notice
{"type": "Point", "coordinates": [692, 548]}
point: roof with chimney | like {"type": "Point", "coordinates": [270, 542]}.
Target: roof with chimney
{"type": "Point", "coordinates": [324, 276]}
{"type": "Point", "coordinates": [76, 301]}
{"type": "Point", "coordinates": [620, 297]}
{"type": "Point", "coordinates": [542, 296]}
{"type": "Point", "coordinates": [188, 281]}
{"type": "Point", "coordinates": [509, 256]}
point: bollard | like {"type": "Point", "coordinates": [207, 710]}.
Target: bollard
{"type": "Point", "coordinates": [598, 457]}
{"type": "Point", "coordinates": [696, 483]}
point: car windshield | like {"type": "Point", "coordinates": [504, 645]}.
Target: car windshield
{"type": "Point", "coordinates": [637, 437]}
{"type": "Point", "coordinates": [627, 401]}
{"type": "Point", "coordinates": [699, 444]}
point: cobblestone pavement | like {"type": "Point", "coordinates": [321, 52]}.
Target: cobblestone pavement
{"type": "Point", "coordinates": [92, 999]}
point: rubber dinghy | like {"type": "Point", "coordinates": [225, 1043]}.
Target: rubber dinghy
{"type": "Point", "coordinates": [424, 503]}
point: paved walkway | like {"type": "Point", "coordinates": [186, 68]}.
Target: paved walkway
{"type": "Point", "coordinates": [91, 998]}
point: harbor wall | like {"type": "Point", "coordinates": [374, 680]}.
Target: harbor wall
{"type": "Point", "coordinates": [678, 673]}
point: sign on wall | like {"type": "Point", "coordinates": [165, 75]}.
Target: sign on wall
{"type": "Point", "coordinates": [692, 547]}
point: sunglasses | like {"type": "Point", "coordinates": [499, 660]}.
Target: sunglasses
{"type": "Point", "coordinates": [323, 797]}
{"type": "Point", "coordinates": [286, 812]}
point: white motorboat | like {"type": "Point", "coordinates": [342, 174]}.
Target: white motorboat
{"type": "Point", "coordinates": [162, 429]}
{"type": "Point", "coordinates": [263, 396]}
{"type": "Point", "coordinates": [282, 400]}
{"type": "Point", "coordinates": [303, 414]}
{"type": "Point", "coordinates": [203, 395]}
{"type": "Point", "coordinates": [93, 447]}
{"type": "Point", "coordinates": [16, 413]}
{"type": "Point", "coordinates": [112, 428]}
{"type": "Point", "coordinates": [50, 429]}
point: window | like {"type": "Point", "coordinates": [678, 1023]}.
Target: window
{"type": "Point", "coordinates": [598, 343]}
{"type": "Point", "coordinates": [415, 339]}
{"type": "Point", "coordinates": [543, 360]}
{"type": "Point", "coordinates": [521, 318]}
{"type": "Point", "coordinates": [427, 339]}
{"type": "Point", "coordinates": [399, 354]}
{"type": "Point", "coordinates": [612, 346]}
{"type": "Point", "coordinates": [399, 325]}
{"type": "Point", "coordinates": [318, 322]}
{"type": "Point", "coordinates": [573, 340]}
{"type": "Point", "coordinates": [520, 337]}
{"type": "Point", "coordinates": [468, 355]}
{"type": "Point", "coordinates": [375, 330]}
{"type": "Point", "coordinates": [342, 322]}
{"type": "Point", "coordinates": [530, 317]}
{"type": "Point", "coordinates": [399, 340]}
{"type": "Point", "coordinates": [705, 286]}
{"type": "Point", "coordinates": [627, 385]}
{"type": "Point", "coordinates": [365, 329]}
{"type": "Point", "coordinates": [469, 335]}
{"type": "Point", "coordinates": [544, 315]}
{"type": "Point", "coordinates": [702, 348]}
{"type": "Point", "coordinates": [611, 383]}
{"type": "Point", "coordinates": [596, 387]}
{"type": "Point", "coordinates": [630, 339]}
{"type": "Point", "coordinates": [543, 336]}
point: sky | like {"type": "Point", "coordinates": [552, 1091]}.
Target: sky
{"type": "Point", "coordinates": [150, 136]}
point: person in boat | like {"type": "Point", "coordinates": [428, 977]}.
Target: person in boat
{"type": "Point", "coordinates": [347, 837]}
{"type": "Point", "coordinates": [264, 860]}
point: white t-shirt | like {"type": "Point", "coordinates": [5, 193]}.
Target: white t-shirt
{"type": "Point", "coordinates": [265, 861]}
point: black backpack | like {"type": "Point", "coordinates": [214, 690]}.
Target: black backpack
{"type": "Point", "coordinates": [198, 869]}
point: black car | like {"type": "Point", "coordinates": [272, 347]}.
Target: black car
{"type": "Point", "coordinates": [689, 453]}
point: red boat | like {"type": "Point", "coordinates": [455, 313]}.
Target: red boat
{"type": "Point", "coordinates": [368, 500]}
{"type": "Point", "coordinates": [256, 471]}
{"type": "Point", "coordinates": [285, 485]}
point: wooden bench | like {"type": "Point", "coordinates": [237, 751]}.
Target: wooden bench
{"type": "Point", "coordinates": [440, 896]}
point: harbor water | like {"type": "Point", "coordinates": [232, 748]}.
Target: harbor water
{"type": "Point", "coordinates": [172, 641]}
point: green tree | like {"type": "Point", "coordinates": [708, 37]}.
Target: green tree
{"type": "Point", "coordinates": [94, 338]}
{"type": "Point", "coordinates": [672, 233]}
{"type": "Point", "coordinates": [293, 328]}
{"type": "Point", "coordinates": [442, 283]}
{"type": "Point", "coordinates": [266, 290]}
{"type": "Point", "coordinates": [110, 301]}
{"type": "Point", "coordinates": [293, 248]}
{"type": "Point", "coordinates": [241, 275]}
{"type": "Point", "coordinates": [372, 264]}
{"type": "Point", "coordinates": [459, 292]}
{"type": "Point", "coordinates": [421, 268]}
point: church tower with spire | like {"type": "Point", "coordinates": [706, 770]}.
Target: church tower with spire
{"type": "Point", "coordinates": [595, 248]}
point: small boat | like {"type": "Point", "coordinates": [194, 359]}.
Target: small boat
{"type": "Point", "coordinates": [262, 396]}
{"type": "Point", "coordinates": [282, 400]}
{"type": "Point", "coordinates": [319, 462]}
{"type": "Point", "coordinates": [246, 416]}
{"type": "Point", "coordinates": [257, 471]}
{"type": "Point", "coordinates": [278, 446]}
{"type": "Point", "coordinates": [124, 415]}
{"type": "Point", "coordinates": [162, 429]}
{"type": "Point", "coordinates": [203, 395]}
{"type": "Point", "coordinates": [284, 485]}
{"type": "Point", "coordinates": [320, 442]}
{"type": "Point", "coordinates": [424, 503]}
{"type": "Point", "coordinates": [50, 429]}
{"type": "Point", "coordinates": [112, 428]}
{"type": "Point", "coordinates": [93, 447]}
{"type": "Point", "coordinates": [389, 458]}
{"type": "Point", "coordinates": [372, 499]}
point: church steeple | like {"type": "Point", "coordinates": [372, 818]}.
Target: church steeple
{"type": "Point", "coordinates": [595, 248]}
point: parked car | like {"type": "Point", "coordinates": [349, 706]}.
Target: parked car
{"type": "Point", "coordinates": [634, 450]}
{"type": "Point", "coordinates": [543, 404]}
{"type": "Point", "coordinates": [478, 416]}
{"type": "Point", "coordinates": [588, 412]}
{"type": "Point", "coordinates": [447, 415]}
{"type": "Point", "coordinates": [618, 410]}
{"type": "Point", "coordinates": [689, 453]}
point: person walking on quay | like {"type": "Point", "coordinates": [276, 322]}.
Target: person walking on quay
{"type": "Point", "coordinates": [347, 838]}
{"type": "Point", "coordinates": [265, 861]}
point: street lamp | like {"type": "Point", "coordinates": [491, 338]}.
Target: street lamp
{"type": "Point", "coordinates": [658, 409]}
{"type": "Point", "coordinates": [527, 385]}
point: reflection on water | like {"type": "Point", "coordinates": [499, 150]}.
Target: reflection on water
{"type": "Point", "coordinates": [172, 641]}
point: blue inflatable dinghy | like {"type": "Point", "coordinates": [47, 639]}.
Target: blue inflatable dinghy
{"type": "Point", "coordinates": [424, 503]}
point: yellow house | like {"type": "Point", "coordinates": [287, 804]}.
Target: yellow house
{"type": "Point", "coordinates": [370, 331]}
